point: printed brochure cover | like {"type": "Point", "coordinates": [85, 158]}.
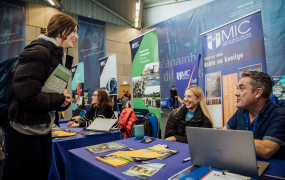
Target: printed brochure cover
{"type": "Point", "coordinates": [162, 151]}
{"type": "Point", "coordinates": [144, 170]}
{"type": "Point", "coordinates": [99, 148]}
{"type": "Point", "coordinates": [115, 160]}
{"type": "Point", "coordinates": [58, 132]}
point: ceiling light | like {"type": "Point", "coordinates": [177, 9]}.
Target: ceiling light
{"type": "Point", "coordinates": [137, 6]}
{"type": "Point", "coordinates": [137, 19]}
{"type": "Point", "coordinates": [51, 2]}
{"type": "Point", "coordinates": [137, 24]}
{"type": "Point", "coordinates": [137, 13]}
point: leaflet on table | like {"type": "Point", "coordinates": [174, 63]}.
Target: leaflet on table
{"type": "Point", "coordinates": [58, 132]}
{"type": "Point", "coordinates": [99, 148]}
{"type": "Point", "coordinates": [115, 160]}
{"type": "Point", "coordinates": [144, 170]}
{"type": "Point", "coordinates": [58, 80]}
{"type": "Point", "coordinates": [183, 173]}
{"type": "Point", "coordinates": [86, 133]}
{"type": "Point", "coordinates": [218, 175]}
{"type": "Point", "coordinates": [140, 153]}
{"type": "Point", "coordinates": [162, 151]}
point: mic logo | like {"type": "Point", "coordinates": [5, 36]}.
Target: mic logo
{"type": "Point", "coordinates": [135, 45]}
{"type": "Point", "coordinates": [182, 75]}
{"type": "Point", "coordinates": [102, 63]}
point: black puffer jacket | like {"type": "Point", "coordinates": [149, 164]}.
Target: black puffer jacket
{"type": "Point", "coordinates": [105, 111]}
{"type": "Point", "coordinates": [176, 123]}
{"type": "Point", "coordinates": [36, 63]}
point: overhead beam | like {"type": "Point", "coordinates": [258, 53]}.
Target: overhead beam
{"type": "Point", "coordinates": [164, 3]}
{"type": "Point", "coordinates": [112, 12]}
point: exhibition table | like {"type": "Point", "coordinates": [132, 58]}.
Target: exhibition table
{"type": "Point", "coordinates": [61, 147]}
{"type": "Point", "coordinates": [81, 164]}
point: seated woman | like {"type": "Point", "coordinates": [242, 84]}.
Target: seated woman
{"type": "Point", "coordinates": [194, 113]}
{"type": "Point", "coordinates": [101, 107]}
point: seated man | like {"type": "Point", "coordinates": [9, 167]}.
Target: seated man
{"type": "Point", "coordinates": [257, 113]}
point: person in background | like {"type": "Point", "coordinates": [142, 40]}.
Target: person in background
{"type": "Point", "coordinates": [257, 113]}
{"type": "Point", "coordinates": [101, 107]}
{"type": "Point", "coordinates": [173, 96]}
{"type": "Point", "coordinates": [125, 100]}
{"type": "Point", "coordinates": [194, 113]}
{"type": "Point", "coordinates": [33, 112]}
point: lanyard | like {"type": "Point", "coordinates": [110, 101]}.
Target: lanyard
{"type": "Point", "coordinates": [255, 121]}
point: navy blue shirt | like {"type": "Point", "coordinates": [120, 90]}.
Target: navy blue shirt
{"type": "Point", "coordinates": [270, 125]}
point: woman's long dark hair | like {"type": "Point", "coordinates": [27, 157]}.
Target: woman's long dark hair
{"type": "Point", "coordinates": [103, 98]}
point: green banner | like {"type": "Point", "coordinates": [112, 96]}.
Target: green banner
{"type": "Point", "coordinates": [146, 79]}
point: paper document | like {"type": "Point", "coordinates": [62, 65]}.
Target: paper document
{"type": "Point", "coordinates": [58, 80]}
{"type": "Point", "coordinates": [218, 175]}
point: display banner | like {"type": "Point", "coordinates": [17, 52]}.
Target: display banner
{"type": "Point", "coordinates": [186, 76]}
{"type": "Point", "coordinates": [12, 28]}
{"type": "Point", "coordinates": [77, 85]}
{"type": "Point", "coordinates": [92, 47]}
{"type": "Point", "coordinates": [179, 37]}
{"type": "Point", "coordinates": [228, 51]}
{"type": "Point", "coordinates": [146, 79]}
{"type": "Point", "coordinates": [108, 77]}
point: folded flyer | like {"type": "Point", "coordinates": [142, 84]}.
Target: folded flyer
{"type": "Point", "coordinates": [144, 170]}
{"type": "Point", "coordinates": [162, 151]}
{"type": "Point", "coordinates": [59, 133]}
{"type": "Point", "coordinates": [86, 133]}
{"type": "Point", "coordinates": [115, 160]}
{"type": "Point", "coordinates": [99, 148]}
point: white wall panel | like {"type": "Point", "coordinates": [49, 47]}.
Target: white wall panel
{"type": "Point", "coordinates": [157, 14]}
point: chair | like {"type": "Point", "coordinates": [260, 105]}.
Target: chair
{"type": "Point", "coordinates": [155, 125]}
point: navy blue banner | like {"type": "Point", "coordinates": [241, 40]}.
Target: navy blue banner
{"type": "Point", "coordinates": [92, 47]}
{"type": "Point", "coordinates": [186, 76]}
{"type": "Point", "coordinates": [12, 28]}
{"type": "Point", "coordinates": [179, 37]}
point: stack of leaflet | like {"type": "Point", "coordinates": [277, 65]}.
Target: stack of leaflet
{"type": "Point", "coordinates": [60, 133]}
{"type": "Point", "coordinates": [124, 157]}
{"type": "Point", "coordinates": [100, 148]}
{"type": "Point", "coordinates": [162, 151]}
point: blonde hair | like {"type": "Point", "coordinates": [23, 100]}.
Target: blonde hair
{"type": "Point", "coordinates": [199, 93]}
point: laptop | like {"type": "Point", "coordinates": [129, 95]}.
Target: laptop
{"type": "Point", "coordinates": [231, 150]}
{"type": "Point", "coordinates": [102, 125]}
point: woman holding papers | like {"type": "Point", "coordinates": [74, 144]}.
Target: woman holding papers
{"type": "Point", "coordinates": [194, 113]}
{"type": "Point", "coordinates": [33, 112]}
{"type": "Point", "coordinates": [101, 107]}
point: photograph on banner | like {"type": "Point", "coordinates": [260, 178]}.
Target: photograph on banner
{"type": "Point", "coordinates": [228, 51]}
{"type": "Point", "coordinates": [108, 73]}
{"type": "Point", "coordinates": [78, 87]}
{"type": "Point", "coordinates": [254, 67]}
{"type": "Point", "coordinates": [91, 48]}
{"type": "Point", "coordinates": [151, 97]}
{"type": "Point", "coordinates": [138, 86]}
{"type": "Point", "coordinates": [12, 28]}
{"type": "Point", "coordinates": [186, 76]}
{"type": "Point", "coordinates": [279, 89]}
{"type": "Point", "coordinates": [145, 74]}
{"type": "Point", "coordinates": [213, 98]}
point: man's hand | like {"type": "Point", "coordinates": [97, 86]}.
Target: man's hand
{"type": "Point", "coordinates": [265, 149]}
{"type": "Point", "coordinates": [66, 101]}
{"type": "Point", "coordinates": [69, 124]}
{"type": "Point", "coordinates": [171, 138]}
{"type": "Point", "coordinates": [175, 96]}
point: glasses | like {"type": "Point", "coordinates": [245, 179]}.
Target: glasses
{"type": "Point", "coordinates": [94, 95]}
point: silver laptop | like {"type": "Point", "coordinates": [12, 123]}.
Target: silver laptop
{"type": "Point", "coordinates": [231, 150]}
{"type": "Point", "coordinates": [103, 125]}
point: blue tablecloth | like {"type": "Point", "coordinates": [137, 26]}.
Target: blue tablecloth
{"type": "Point", "coordinates": [81, 164]}
{"type": "Point", "coordinates": [62, 121]}
{"type": "Point", "coordinates": [61, 147]}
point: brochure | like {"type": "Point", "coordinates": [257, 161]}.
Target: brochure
{"type": "Point", "coordinates": [162, 151]}
{"type": "Point", "coordinates": [99, 148]}
{"type": "Point", "coordinates": [57, 81]}
{"type": "Point", "coordinates": [140, 153]}
{"type": "Point", "coordinates": [58, 132]}
{"type": "Point", "coordinates": [183, 173]}
{"type": "Point", "coordinates": [86, 133]}
{"type": "Point", "coordinates": [115, 160]}
{"type": "Point", "coordinates": [144, 170]}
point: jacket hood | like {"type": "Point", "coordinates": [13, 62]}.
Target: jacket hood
{"type": "Point", "coordinates": [48, 43]}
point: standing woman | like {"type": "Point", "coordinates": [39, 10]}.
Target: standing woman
{"type": "Point", "coordinates": [194, 113]}
{"type": "Point", "coordinates": [33, 112]}
{"type": "Point", "coordinates": [101, 107]}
